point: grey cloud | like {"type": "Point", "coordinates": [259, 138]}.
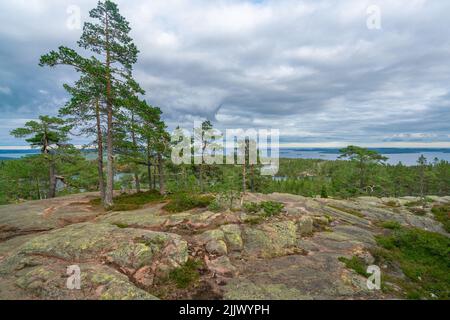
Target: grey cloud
{"type": "Point", "coordinates": [309, 68]}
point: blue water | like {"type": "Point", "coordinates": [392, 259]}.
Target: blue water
{"type": "Point", "coordinates": [408, 156]}
{"type": "Point", "coordinates": [395, 155]}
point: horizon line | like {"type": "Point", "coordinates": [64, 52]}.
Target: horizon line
{"type": "Point", "coordinates": [326, 145]}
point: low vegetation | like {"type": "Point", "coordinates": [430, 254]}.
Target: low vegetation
{"type": "Point", "coordinates": [422, 256]}
{"type": "Point", "coordinates": [393, 225]}
{"type": "Point", "coordinates": [184, 202]}
{"type": "Point", "coordinates": [266, 209]}
{"type": "Point", "coordinates": [132, 201]}
{"type": "Point", "coordinates": [187, 274]}
{"type": "Point", "coordinates": [356, 264]}
{"type": "Point", "coordinates": [442, 214]}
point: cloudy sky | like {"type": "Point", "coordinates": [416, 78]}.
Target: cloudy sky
{"type": "Point", "coordinates": [311, 68]}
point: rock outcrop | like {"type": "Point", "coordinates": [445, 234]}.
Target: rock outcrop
{"type": "Point", "coordinates": [130, 255]}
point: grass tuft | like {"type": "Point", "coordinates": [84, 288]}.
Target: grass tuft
{"type": "Point", "coordinates": [187, 274]}
{"type": "Point", "coordinates": [356, 264]}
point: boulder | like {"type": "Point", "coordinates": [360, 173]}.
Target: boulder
{"type": "Point", "coordinates": [305, 225]}
{"type": "Point", "coordinates": [221, 266]}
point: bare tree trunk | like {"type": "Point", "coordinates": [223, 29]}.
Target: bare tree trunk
{"type": "Point", "coordinates": [38, 189]}
{"type": "Point", "coordinates": [52, 186]}
{"type": "Point", "coordinates": [244, 180]}
{"type": "Point", "coordinates": [133, 137]}
{"type": "Point", "coordinates": [149, 166]}
{"type": "Point", "coordinates": [154, 177]}
{"type": "Point", "coordinates": [201, 178]}
{"type": "Point", "coordinates": [110, 165]}
{"type": "Point", "coordinates": [252, 181]}
{"type": "Point", "coordinates": [162, 185]}
{"type": "Point", "coordinates": [101, 181]}
{"type": "Point", "coordinates": [149, 172]}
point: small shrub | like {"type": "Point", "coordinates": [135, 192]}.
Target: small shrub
{"type": "Point", "coordinates": [251, 207]}
{"type": "Point", "coordinates": [121, 225]}
{"type": "Point", "coordinates": [418, 211]}
{"type": "Point", "coordinates": [184, 202]}
{"type": "Point", "coordinates": [393, 225]}
{"type": "Point", "coordinates": [268, 208]}
{"type": "Point", "coordinates": [186, 275]}
{"type": "Point", "coordinates": [271, 208]}
{"type": "Point", "coordinates": [356, 264]}
{"type": "Point", "coordinates": [392, 204]}
{"type": "Point", "coordinates": [215, 206]}
{"type": "Point", "coordinates": [324, 192]}
{"type": "Point", "coordinates": [442, 214]}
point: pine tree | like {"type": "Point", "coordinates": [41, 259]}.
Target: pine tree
{"type": "Point", "coordinates": [50, 135]}
{"type": "Point", "coordinates": [83, 110]}
{"type": "Point", "coordinates": [108, 37]}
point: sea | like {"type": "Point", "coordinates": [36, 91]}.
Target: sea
{"type": "Point", "coordinates": [407, 156]}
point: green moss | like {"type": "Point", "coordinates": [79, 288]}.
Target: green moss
{"type": "Point", "coordinates": [356, 264]}
{"type": "Point", "coordinates": [442, 214]}
{"type": "Point", "coordinates": [424, 258]}
{"type": "Point", "coordinates": [393, 225]}
{"type": "Point", "coordinates": [121, 225]}
{"type": "Point", "coordinates": [186, 275]}
{"type": "Point", "coordinates": [184, 202]}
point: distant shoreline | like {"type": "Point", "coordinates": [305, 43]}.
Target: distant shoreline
{"type": "Point", "coordinates": [407, 156]}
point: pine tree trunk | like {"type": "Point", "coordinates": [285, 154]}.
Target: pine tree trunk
{"type": "Point", "coordinates": [252, 181]}
{"type": "Point", "coordinates": [154, 177]}
{"type": "Point", "coordinates": [244, 180]}
{"type": "Point", "coordinates": [149, 166]}
{"type": "Point", "coordinates": [38, 189]}
{"type": "Point", "coordinates": [101, 181]}
{"type": "Point", "coordinates": [110, 165]}
{"type": "Point", "coordinates": [149, 172]}
{"type": "Point", "coordinates": [162, 186]}
{"type": "Point", "coordinates": [136, 173]}
{"type": "Point", "coordinates": [52, 177]}
{"type": "Point", "coordinates": [201, 178]}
